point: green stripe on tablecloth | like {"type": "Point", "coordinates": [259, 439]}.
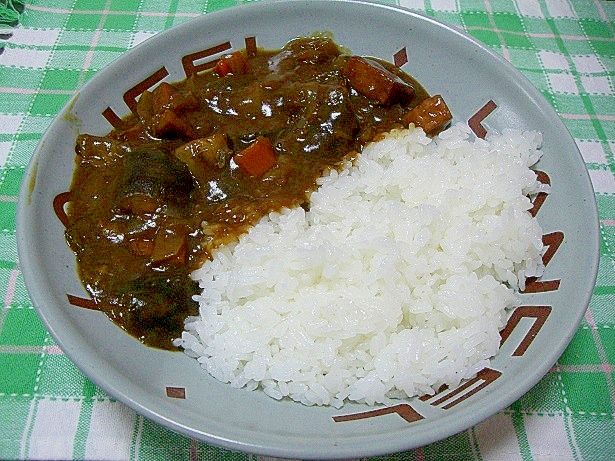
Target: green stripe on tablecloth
{"type": "Point", "coordinates": [524, 446]}
{"type": "Point", "coordinates": [172, 10]}
{"type": "Point", "coordinates": [604, 290]}
{"type": "Point", "coordinates": [585, 100]}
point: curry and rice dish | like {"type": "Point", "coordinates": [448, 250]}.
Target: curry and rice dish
{"type": "Point", "coordinates": [203, 160]}
{"type": "Point", "coordinates": [307, 223]}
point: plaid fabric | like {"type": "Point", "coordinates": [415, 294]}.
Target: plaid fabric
{"type": "Point", "coordinates": [49, 410]}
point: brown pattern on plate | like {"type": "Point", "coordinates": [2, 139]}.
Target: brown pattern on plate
{"type": "Point", "coordinates": [538, 313]}
{"type": "Point", "coordinates": [541, 196]}
{"type": "Point", "coordinates": [475, 122]}
{"type": "Point", "coordinates": [81, 302]}
{"type": "Point", "coordinates": [176, 392]}
{"type": "Point", "coordinates": [59, 202]}
{"type": "Point", "coordinates": [533, 285]}
{"type": "Point", "coordinates": [482, 379]}
{"type": "Point", "coordinates": [189, 61]}
{"type": "Point", "coordinates": [401, 57]}
{"type": "Point", "coordinates": [404, 410]}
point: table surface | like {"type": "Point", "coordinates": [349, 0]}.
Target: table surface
{"type": "Point", "coordinates": [50, 48]}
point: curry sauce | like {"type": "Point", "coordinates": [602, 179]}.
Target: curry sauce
{"type": "Point", "coordinates": [202, 160]}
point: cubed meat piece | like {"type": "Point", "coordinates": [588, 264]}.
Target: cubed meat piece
{"type": "Point", "coordinates": [375, 82]}
{"type": "Point", "coordinates": [160, 111]}
{"type": "Point", "coordinates": [166, 96]}
{"type": "Point", "coordinates": [432, 114]}
{"type": "Point", "coordinates": [203, 156]}
{"type": "Point", "coordinates": [169, 125]}
{"type": "Point", "coordinates": [212, 149]}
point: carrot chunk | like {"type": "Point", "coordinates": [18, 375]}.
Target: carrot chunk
{"type": "Point", "coordinates": [432, 114]}
{"type": "Point", "coordinates": [375, 82]}
{"type": "Point", "coordinates": [234, 63]}
{"type": "Point", "coordinates": [257, 158]}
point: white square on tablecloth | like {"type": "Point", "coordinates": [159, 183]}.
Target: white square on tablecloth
{"type": "Point", "coordinates": [595, 84]}
{"type": "Point", "coordinates": [587, 64]}
{"type": "Point", "coordinates": [529, 8]}
{"type": "Point", "coordinates": [603, 181]}
{"type": "Point", "coordinates": [5, 149]}
{"type": "Point", "coordinates": [110, 434]}
{"type": "Point", "coordinates": [34, 37]}
{"type": "Point", "coordinates": [497, 439]}
{"type": "Point", "coordinates": [563, 83]}
{"type": "Point", "coordinates": [591, 151]}
{"type": "Point", "coordinates": [10, 123]}
{"type": "Point", "coordinates": [444, 5]}
{"type": "Point", "coordinates": [552, 60]}
{"type": "Point", "coordinates": [412, 4]}
{"type": "Point", "coordinates": [139, 37]}
{"type": "Point", "coordinates": [547, 437]}
{"type": "Point", "coordinates": [53, 429]}
{"type": "Point", "coordinates": [560, 9]}
{"type": "Point", "coordinates": [25, 58]}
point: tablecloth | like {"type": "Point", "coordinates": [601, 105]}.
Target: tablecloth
{"type": "Point", "coordinates": [50, 48]}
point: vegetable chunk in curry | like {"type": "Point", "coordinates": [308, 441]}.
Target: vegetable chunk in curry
{"type": "Point", "coordinates": [202, 160]}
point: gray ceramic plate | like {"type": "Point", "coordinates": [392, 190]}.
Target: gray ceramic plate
{"type": "Point", "coordinates": [169, 387]}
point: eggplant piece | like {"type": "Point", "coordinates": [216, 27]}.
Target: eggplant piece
{"type": "Point", "coordinates": [153, 179]}
{"type": "Point", "coordinates": [323, 124]}
{"type": "Point", "coordinates": [154, 306]}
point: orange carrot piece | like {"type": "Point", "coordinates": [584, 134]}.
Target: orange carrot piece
{"type": "Point", "coordinates": [257, 158]}
{"type": "Point", "coordinates": [234, 63]}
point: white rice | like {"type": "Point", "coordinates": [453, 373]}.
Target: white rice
{"type": "Point", "coordinates": [396, 282]}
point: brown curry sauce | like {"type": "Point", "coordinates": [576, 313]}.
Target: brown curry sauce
{"type": "Point", "coordinates": [204, 159]}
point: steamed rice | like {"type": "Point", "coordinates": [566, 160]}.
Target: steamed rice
{"type": "Point", "coordinates": [396, 282]}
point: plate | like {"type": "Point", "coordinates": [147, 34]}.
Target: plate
{"type": "Point", "coordinates": [170, 388]}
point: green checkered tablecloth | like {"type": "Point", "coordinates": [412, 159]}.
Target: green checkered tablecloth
{"type": "Point", "coordinates": [50, 48]}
